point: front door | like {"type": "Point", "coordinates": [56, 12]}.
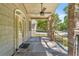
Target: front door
{"type": "Point", "coordinates": [19, 30]}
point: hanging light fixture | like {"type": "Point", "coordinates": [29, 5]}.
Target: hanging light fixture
{"type": "Point", "coordinates": [42, 9]}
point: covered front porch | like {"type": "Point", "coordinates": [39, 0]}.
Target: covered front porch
{"type": "Point", "coordinates": [16, 31]}
{"type": "Point", "coordinates": [42, 46]}
{"type": "Point", "coordinates": [48, 45]}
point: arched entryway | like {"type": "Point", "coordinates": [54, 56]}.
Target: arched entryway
{"type": "Point", "coordinates": [19, 25]}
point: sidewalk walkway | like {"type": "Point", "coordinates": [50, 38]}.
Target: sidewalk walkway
{"type": "Point", "coordinates": [41, 47]}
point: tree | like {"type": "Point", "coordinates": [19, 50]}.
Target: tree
{"type": "Point", "coordinates": [66, 9]}
{"type": "Point", "coordinates": [66, 18]}
{"type": "Point", "coordinates": [41, 25]}
{"type": "Point", "coordinates": [66, 22]}
{"type": "Point", "coordinates": [63, 26]}
{"type": "Point", "coordinates": [56, 21]}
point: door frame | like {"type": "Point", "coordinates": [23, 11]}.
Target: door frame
{"type": "Point", "coordinates": [77, 43]}
{"type": "Point", "coordinates": [17, 14]}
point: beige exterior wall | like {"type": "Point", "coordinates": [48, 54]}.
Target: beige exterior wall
{"type": "Point", "coordinates": [8, 28]}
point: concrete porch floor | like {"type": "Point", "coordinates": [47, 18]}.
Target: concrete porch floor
{"type": "Point", "coordinates": [41, 47]}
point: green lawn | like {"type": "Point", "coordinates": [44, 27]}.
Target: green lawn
{"type": "Point", "coordinates": [39, 35]}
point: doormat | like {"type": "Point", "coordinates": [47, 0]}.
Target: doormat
{"type": "Point", "coordinates": [24, 45]}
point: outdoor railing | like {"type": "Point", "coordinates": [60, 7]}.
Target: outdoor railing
{"type": "Point", "coordinates": [61, 39]}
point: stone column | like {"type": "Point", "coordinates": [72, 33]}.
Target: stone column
{"type": "Point", "coordinates": [71, 26]}
{"type": "Point", "coordinates": [50, 29]}
{"type": "Point", "coordinates": [30, 21]}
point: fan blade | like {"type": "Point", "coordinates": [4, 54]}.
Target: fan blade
{"type": "Point", "coordinates": [47, 12]}
{"type": "Point", "coordinates": [39, 12]}
{"type": "Point", "coordinates": [34, 13]}
{"type": "Point", "coordinates": [43, 9]}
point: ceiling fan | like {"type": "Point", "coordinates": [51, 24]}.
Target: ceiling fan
{"type": "Point", "coordinates": [42, 12]}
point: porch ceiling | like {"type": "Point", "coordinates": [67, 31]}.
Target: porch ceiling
{"type": "Point", "coordinates": [33, 9]}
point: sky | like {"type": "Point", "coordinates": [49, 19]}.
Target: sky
{"type": "Point", "coordinates": [60, 11]}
